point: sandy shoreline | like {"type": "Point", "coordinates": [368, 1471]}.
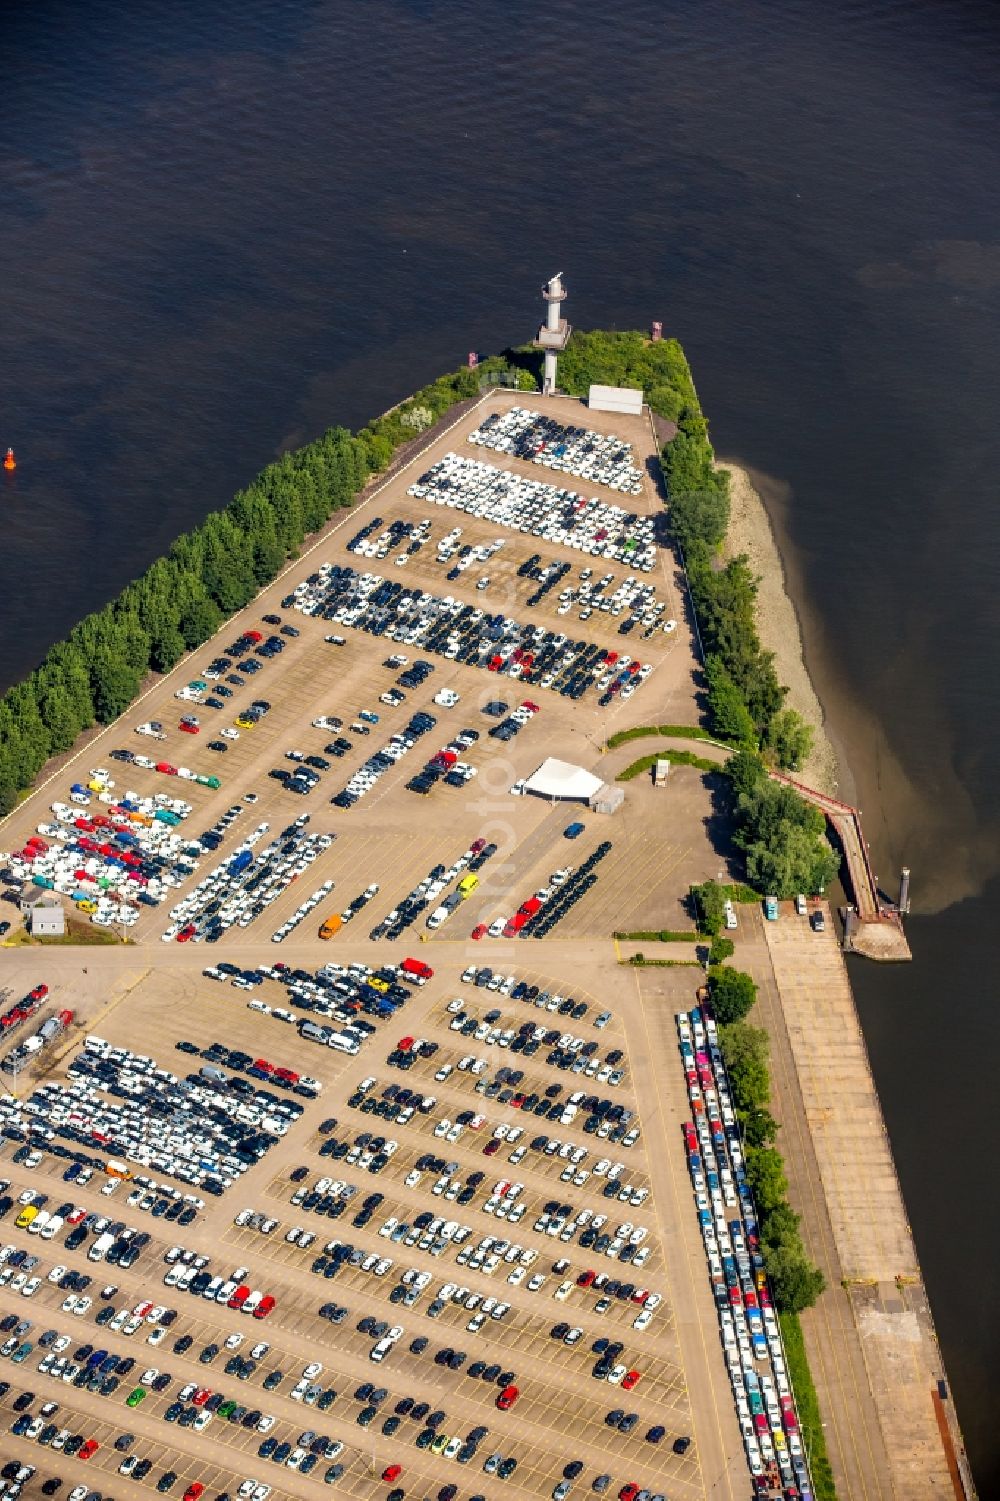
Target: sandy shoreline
{"type": "Point", "coordinates": [750, 532]}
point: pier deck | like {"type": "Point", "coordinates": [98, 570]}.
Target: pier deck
{"type": "Point", "coordinates": [877, 932]}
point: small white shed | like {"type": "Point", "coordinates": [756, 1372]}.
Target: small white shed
{"type": "Point", "coordinates": [615, 399]}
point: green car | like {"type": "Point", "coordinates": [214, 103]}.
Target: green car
{"type": "Point", "coordinates": [226, 1409]}
{"type": "Point", "coordinates": [135, 1396]}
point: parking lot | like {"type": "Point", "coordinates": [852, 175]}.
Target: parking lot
{"type": "Point", "coordinates": [492, 1153]}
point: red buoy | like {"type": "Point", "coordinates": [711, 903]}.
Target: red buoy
{"type": "Point", "coordinates": [10, 462]}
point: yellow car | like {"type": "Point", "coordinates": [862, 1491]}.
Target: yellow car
{"type": "Point", "coordinates": [86, 906]}
{"type": "Point", "coordinates": [440, 1444]}
{"type": "Point", "coordinates": [24, 1219]}
{"type": "Point", "coordinates": [244, 723]}
{"type": "Point", "coordinates": [376, 984]}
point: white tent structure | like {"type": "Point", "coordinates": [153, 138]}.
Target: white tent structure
{"type": "Point", "coordinates": [563, 780]}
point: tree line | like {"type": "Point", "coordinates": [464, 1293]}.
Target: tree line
{"type": "Point", "coordinates": [209, 574]}
{"type": "Point", "coordinates": [795, 1281]}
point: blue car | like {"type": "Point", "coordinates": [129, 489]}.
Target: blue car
{"type": "Point", "coordinates": [573, 831]}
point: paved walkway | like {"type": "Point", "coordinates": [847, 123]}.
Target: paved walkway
{"type": "Point", "coordinates": [870, 1338]}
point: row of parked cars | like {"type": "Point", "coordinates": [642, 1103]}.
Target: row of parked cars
{"type": "Point", "coordinates": [595, 527]}
{"type": "Point", "coordinates": [395, 748]}
{"type": "Point", "coordinates": [243, 886]}
{"type": "Point", "coordinates": [202, 1130]}
{"type": "Point", "coordinates": [541, 439]}
{"type": "Point", "coordinates": [633, 599]}
{"type": "Point", "coordinates": [464, 633]}
{"type": "Point", "coordinates": [425, 895]}
{"type": "Point", "coordinates": [727, 1215]}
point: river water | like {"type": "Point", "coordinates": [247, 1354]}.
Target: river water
{"type": "Point", "coordinates": [227, 225]}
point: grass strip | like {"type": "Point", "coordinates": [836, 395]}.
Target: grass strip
{"type": "Point", "coordinates": [807, 1403]}
{"type": "Point", "coordinates": [677, 758]}
{"type": "Point", "coordinates": [678, 731]}
{"type": "Point", "coordinates": [665, 935]}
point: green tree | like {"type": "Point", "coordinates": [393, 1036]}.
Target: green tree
{"type": "Point", "coordinates": [709, 906]}
{"type": "Point", "coordinates": [746, 771]}
{"type": "Point", "coordinates": [745, 1049]}
{"type": "Point", "coordinates": [721, 948]}
{"type": "Point", "coordinates": [228, 570]}
{"type": "Point", "coordinates": [759, 1127]}
{"type": "Point", "coordinates": [795, 1282]}
{"type": "Point", "coordinates": [732, 994]}
{"type": "Point", "coordinates": [794, 860]}
{"type": "Point", "coordinates": [28, 738]}
{"type": "Point", "coordinates": [781, 1225]}
{"type": "Point", "coordinates": [199, 615]}
{"type": "Point", "coordinates": [379, 451]}
{"type": "Point", "coordinates": [65, 667]}
{"type": "Point", "coordinates": [766, 1176]}
{"type": "Point", "coordinates": [764, 694]}
{"type": "Point", "coordinates": [59, 718]}
{"type": "Point", "coordinates": [253, 514]}
{"type": "Point", "coordinates": [728, 715]}
{"type": "Point", "coordinates": [115, 684]}
{"type": "Point", "coordinates": [789, 739]}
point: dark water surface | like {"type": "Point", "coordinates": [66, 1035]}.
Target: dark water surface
{"type": "Point", "coordinates": [226, 225]}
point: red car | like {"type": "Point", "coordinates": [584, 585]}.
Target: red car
{"type": "Point", "coordinates": [491, 1149]}
{"type": "Point", "coordinates": [392, 1472]}
{"type": "Point", "coordinates": [264, 1307]}
{"type": "Point", "coordinates": [186, 932]}
{"type": "Point", "coordinates": [630, 1380]}
{"type": "Point", "coordinates": [405, 1044]}
{"type": "Point", "coordinates": [39, 993]}
{"type": "Point", "coordinates": [585, 1279]}
{"type": "Point", "coordinates": [88, 1450]}
{"type": "Point", "coordinates": [190, 729]}
{"type": "Point", "coordinates": [479, 931]}
{"type": "Point", "coordinates": [194, 1490]}
{"type": "Point", "coordinates": [628, 1492]}
{"type": "Point", "coordinates": [240, 1296]}
{"type": "Point", "coordinates": [507, 1398]}
{"type": "Point", "coordinates": [201, 1396]}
